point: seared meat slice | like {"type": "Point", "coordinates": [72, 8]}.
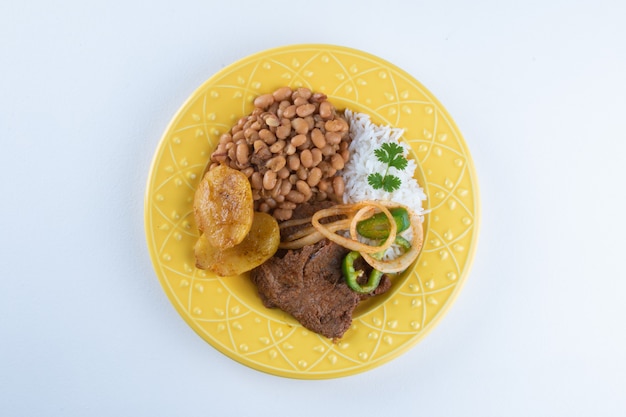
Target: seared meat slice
{"type": "Point", "coordinates": [306, 210]}
{"type": "Point", "coordinates": [307, 283]}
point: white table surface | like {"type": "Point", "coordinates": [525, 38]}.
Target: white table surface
{"type": "Point", "coordinates": [538, 88]}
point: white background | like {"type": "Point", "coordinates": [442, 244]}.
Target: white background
{"type": "Point", "coordinates": [538, 88]}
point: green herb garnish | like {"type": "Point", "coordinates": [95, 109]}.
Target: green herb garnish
{"type": "Point", "coordinates": [390, 154]}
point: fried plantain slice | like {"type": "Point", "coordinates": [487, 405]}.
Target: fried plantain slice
{"type": "Point", "coordinates": [223, 207]}
{"type": "Point", "coordinates": [257, 247]}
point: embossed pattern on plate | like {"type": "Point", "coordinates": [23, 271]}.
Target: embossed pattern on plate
{"type": "Point", "coordinates": [227, 313]}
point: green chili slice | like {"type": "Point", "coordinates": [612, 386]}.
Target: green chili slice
{"type": "Point", "coordinates": [377, 226]}
{"type": "Point", "coordinates": [403, 243]}
{"type": "Point", "coordinates": [351, 275]}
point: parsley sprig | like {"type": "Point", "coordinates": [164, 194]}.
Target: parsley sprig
{"type": "Point", "coordinates": [392, 155]}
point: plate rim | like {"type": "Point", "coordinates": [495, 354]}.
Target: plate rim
{"type": "Point", "coordinates": [432, 324]}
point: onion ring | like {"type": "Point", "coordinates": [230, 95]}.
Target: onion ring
{"type": "Point", "coordinates": [406, 259]}
{"type": "Point", "coordinates": [351, 243]}
{"type": "Point", "coordinates": [355, 213]}
{"type": "Point", "coordinates": [310, 235]}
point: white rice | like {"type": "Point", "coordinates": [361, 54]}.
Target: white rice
{"type": "Point", "coordinates": [366, 137]}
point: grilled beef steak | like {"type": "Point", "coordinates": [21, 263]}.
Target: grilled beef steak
{"type": "Point", "coordinates": [308, 283]}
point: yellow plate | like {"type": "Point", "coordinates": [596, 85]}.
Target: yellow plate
{"type": "Point", "coordinates": [227, 313]}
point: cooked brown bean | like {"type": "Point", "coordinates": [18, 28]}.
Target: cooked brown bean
{"type": "Point", "coordinates": [300, 125]}
{"type": "Point", "coordinates": [345, 154]}
{"type": "Point", "coordinates": [275, 192]}
{"type": "Point", "coordinates": [248, 171]}
{"type": "Point", "coordinates": [306, 158]}
{"type": "Point", "coordinates": [282, 214]}
{"type": "Point", "coordinates": [278, 146]}
{"type": "Point", "coordinates": [295, 196]}
{"type": "Point", "coordinates": [318, 97]}
{"type": "Point", "coordinates": [232, 153]}
{"type": "Point", "coordinates": [302, 173]}
{"type": "Point", "coordinates": [256, 180]}
{"type": "Point", "coordinates": [220, 153]}
{"type": "Point", "coordinates": [278, 162]}
{"type": "Point", "coordinates": [271, 202]}
{"type": "Point", "coordinates": [318, 139]}
{"type": "Point", "coordinates": [226, 137]}
{"type": "Point", "coordinates": [290, 112]}
{"type": "Point", "coordinates": [318, 156]}
{"type": "Point", "coordinates": [326, 110]}
{"type": "Point", "coordinates": [299, 101]}
{"type": "Point", "coordinates": [272, 121]}
{"type": "Point", "coordinates": [251, 134]}
{"type": "Point", "coordinates": [264, 101]}
{"type": "Point", "coordinates": [269, 180]}
{"type": "Point", "coordinates": [323, 185]}
{"type": "Point", "coordinates": [248, 124]}
{"type": "Point", "coordinates": [293, 162]}
{"type": "Point", "coordinates": [219, 156]}
{"type": "Point", "coordinates": [305, 109]}
{"type": "Point", "coordinates": [298, 140]}
{"type": "Point", "coordinates": [282, 93]}
{"type": "Point", "coordinates": [314, 177]}
{"type": "Point", "coordinates": [285, 187]}
{"type": "Point", "coordinates": [308, 144]}
{"type": "Point", "coordinates": [267, 136]}
{"type": "Point", "coordinates": [328, 150]}
{"type": "Point", "coordinates": [242, 153]}
{"type": "Point", "coordinates": [337, 162]}
{"type": "Point", "coordinates": [332, 138]}
{"type": "Point", "coordinates": [290, 149]}
{"type": "Point", "coordinates": [310, 121]}
{"type": "Point", "coordinates": [289, 205]}
{"type": "Point", "coordinates": [324, 166]}
{"type": "Point", "coordinates": [238, 136]}
{"type": "Point", "coordinates": [263, 153]}
{"type": "Point", "coordinates": [336, 125]}
{"type": "Point", "coordinates": [303, 187]}
{"type": "Point", "coordinates": [258, 144]}
{"type": "Point", "coordinates": [303, 92]}
{"type": "Point", "coordinates": [264, 207]}
{"type": "Point", "coordinates": [338, 186]}
{"type": "Point", "coordinates": [280, 198]}
{"type": "Point", "coordinates": [222, 147]}
{"type": "Point", "coordinates": [282, 132]}
{"type": "Point", "coordinates": [283, 173]}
